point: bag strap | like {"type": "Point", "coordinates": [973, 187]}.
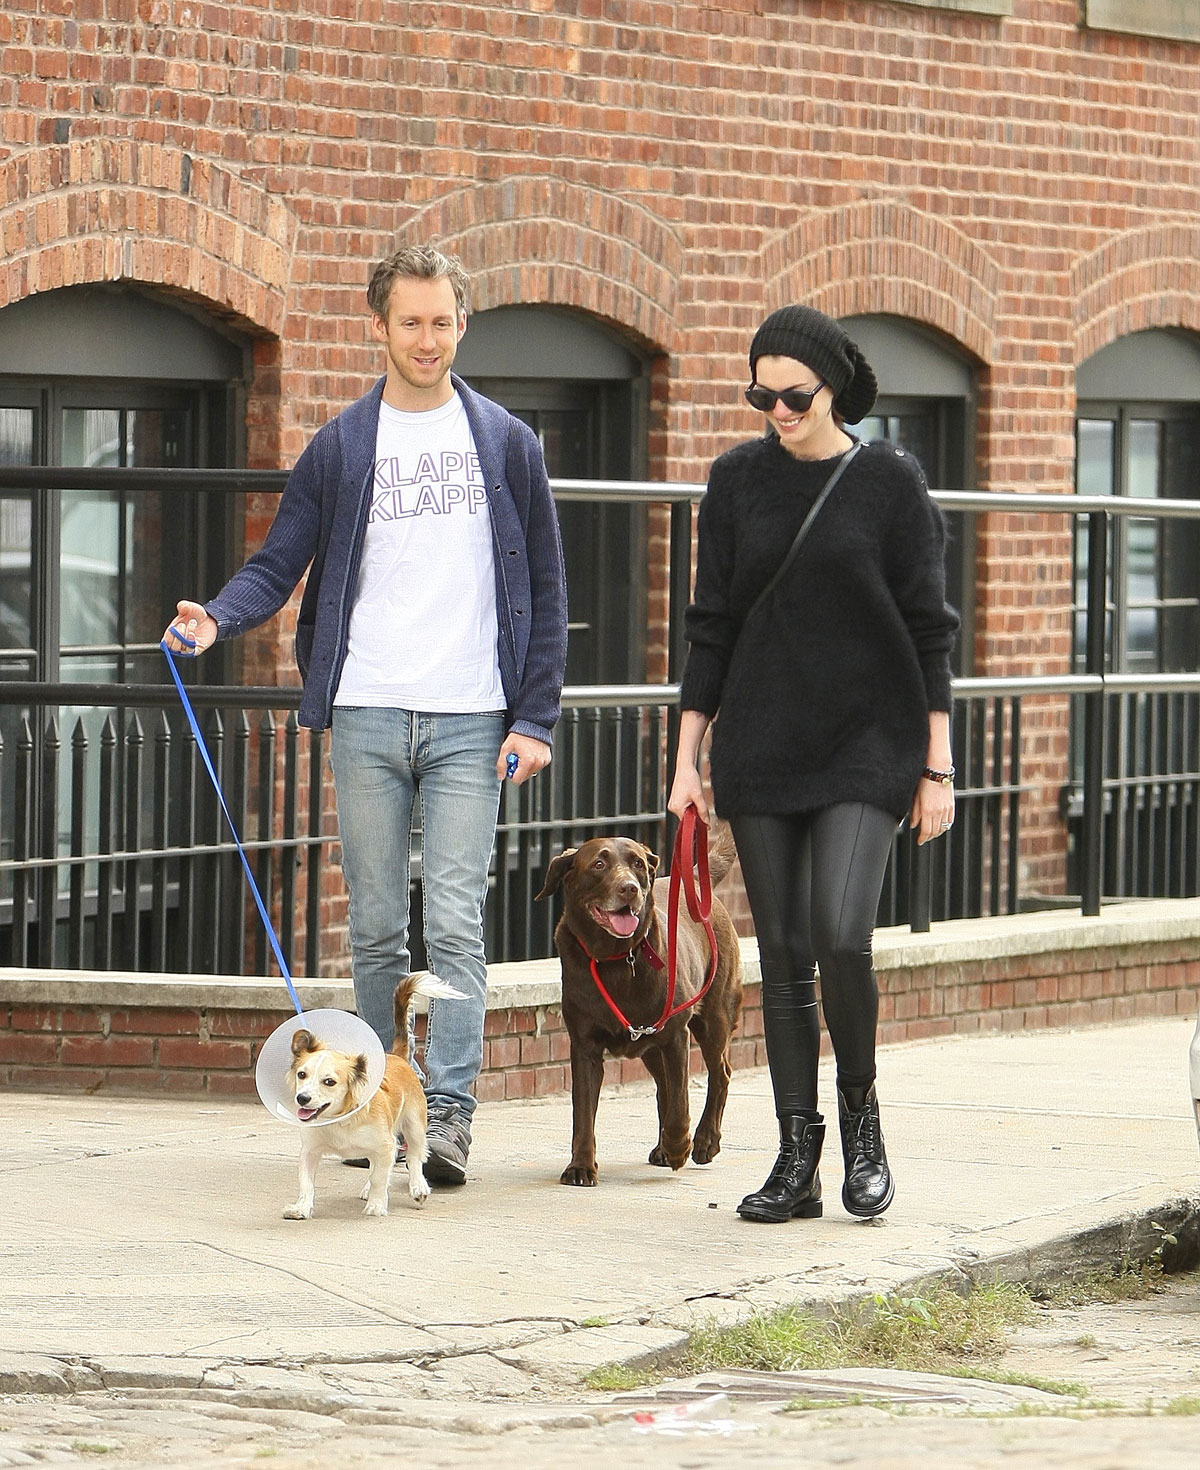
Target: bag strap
{"type": "Point", "coordinates": [826, 490]}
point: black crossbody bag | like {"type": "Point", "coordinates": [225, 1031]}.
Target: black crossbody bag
{"type": "Point", "coordinates": [826, 491]}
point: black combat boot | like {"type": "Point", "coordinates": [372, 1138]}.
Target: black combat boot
{"type": "Point", "coordinates": [868, 1186]}
{"type": "Point", "coordinates": [793, 1186]}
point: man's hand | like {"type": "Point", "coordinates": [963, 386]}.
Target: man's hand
{"type": "Point", "coordinates": [532, 757]}
{"type": "Point", "coordinates": [190, 622]}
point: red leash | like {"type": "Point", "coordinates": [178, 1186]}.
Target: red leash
{"type": "Point", "coordinates": [689, 871]}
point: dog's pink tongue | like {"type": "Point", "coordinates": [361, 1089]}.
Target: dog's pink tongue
{"type": "Point", "coordinates": [622, 922]}
{"type": "Point", "coordinates": [304, 1114]}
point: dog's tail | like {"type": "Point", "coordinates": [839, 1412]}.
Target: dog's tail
{"type": "Point", "coordinates": [425, 983]}
{"type": "Point", "coordinates": [722, 854]}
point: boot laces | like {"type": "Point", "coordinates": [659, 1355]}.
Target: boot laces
{"type": "Point", "coordinates": [867, 1134]}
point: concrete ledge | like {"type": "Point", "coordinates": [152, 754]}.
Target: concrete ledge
{"type": "Point", "coordinates": [958, 941]}
{"type": "Point", "coordinates": [88, 1031]}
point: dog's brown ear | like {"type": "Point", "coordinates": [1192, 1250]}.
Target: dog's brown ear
{"type": "Point", "coordinates": [303, 1041]}
{"type": "Point", "coordinates": [651, 861]}
{"type": "Point", "coordinates": [358, 1075]}
{"type": "Point", "coordinates": [557, 871]}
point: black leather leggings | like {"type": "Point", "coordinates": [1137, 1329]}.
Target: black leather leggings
{"type": "Point", "coordinates": [813, 882]}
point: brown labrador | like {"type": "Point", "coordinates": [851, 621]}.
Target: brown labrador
{"type": "Point", "coordinates": [616, 913]}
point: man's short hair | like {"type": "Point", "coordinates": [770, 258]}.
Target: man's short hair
{"type": "Point", "coordinates": [421, 263]}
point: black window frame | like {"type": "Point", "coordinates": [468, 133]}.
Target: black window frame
{"type": "Point", "coordinates": [1123, 415]}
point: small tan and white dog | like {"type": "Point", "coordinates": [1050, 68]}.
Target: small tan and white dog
{"type": "Point", "coordinates": [326, 1083]}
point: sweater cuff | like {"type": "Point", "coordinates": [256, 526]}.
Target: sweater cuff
{"type": "Point", "coordinates": [703, 680]}
{"type": "Point", "coordinates": [938, 692]}
{"type": "Point", "coordinates": [532, 731]}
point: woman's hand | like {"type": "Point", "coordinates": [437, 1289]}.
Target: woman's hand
{"type": "Point", "coordinates": [932, 811]}
{"type": "Point", "coordinates": [687, 790]}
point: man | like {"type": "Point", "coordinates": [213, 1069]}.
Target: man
{"type": "Point", "coordinates": [431, 640]}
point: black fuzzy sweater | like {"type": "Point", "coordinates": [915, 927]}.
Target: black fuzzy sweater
{"type": "Point", "coordinates": [824, 696]}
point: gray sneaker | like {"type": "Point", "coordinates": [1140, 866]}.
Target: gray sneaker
{"type": "Point", "coordinates": [449, 1139]}
{"type": "Point", "coordinates": [401, 1155]}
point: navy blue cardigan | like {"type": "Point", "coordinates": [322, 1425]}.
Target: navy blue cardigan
{"type": "Point", "coordinates": [322, 520]}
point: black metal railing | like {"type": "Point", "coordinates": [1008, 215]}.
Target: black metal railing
{"type": "Point", "coordinates": [114, 853]}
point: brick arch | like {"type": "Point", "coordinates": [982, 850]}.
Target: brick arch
{"type": "Point", "coordinates": [544, 241]}
{"type": "Point", "coordinates": [118, 210]}
{"type": "Point", "coordinates": [883, 256]}
{"type": "Point", "coordinates": [1136, 280]}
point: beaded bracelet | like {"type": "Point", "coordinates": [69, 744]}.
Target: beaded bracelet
{"type": "Point", "coordinates": [943, 778]}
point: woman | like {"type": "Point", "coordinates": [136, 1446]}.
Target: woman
{"type": "Point", "coordinates": [834, 699]}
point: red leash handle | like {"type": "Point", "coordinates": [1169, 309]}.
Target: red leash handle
{"type": "Point", "coordinates": [689, 871]}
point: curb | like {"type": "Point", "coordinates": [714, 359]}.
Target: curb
{"type": "Point", "coordinates": [561, 1359]}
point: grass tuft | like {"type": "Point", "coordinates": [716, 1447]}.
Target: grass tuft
{"type": "Point", "coordinates": [943, 1332]}
{"type": "Point", "coordinates": [618, 1378]}
{"type": "Point", "coordinates": [1130, 1281]}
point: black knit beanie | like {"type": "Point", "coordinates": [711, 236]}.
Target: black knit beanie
{"type": "Point", "coordinates": [816, 340]}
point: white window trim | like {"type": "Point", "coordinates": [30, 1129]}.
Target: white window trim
{"type": "Point", "coordinates": [1174, 20]}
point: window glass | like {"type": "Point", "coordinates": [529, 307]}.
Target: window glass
{"type": "Point", "coordinates": [16, 436]}
{"type": "Point", "coordinates": [17, 427]}
{"type": "Point", "coordinates": [116, 543]}
{"type": "Point", "coordinates": [1153, 593]}
{"type": "Point", "coordinates": [1140, 550]}
{"type": "Point", "coordinates": [1095, 447]}
{"type": "Point", "coordinates": [1179, 563]}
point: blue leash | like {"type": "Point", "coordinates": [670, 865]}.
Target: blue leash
{"type": "Point", "coordinates": [212, 776]}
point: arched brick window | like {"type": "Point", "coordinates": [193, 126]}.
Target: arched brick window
{"type": "Point", "coordinates": [1138, 434]}
{"type": "Point", "coordinates": [107, 377]}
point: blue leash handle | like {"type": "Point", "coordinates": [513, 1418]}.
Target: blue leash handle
{"type": "Point", "coordinates": [212, 776]}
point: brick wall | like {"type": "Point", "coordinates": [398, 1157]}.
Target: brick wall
{"type": "Point", "coordinates": [1011, 974]}
{"type": "Point", "coordinates": [1022, 185]}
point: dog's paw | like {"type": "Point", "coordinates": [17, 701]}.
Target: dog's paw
{"type": "Point", "coordinates": [375, 1207]}
{"type": "Point", "coordinates": [705, 1150]}
{"type": "Point", "coordinates": [298, 1211]}
{"type": "Point", "coordinates": [419, 1193]}
{"type": "Point", "coordinates": [365, 1191]}
{"type": "Point", "coordinates": [579, 1174]}
{"type": "Point", "coordinates": [661, 1159]}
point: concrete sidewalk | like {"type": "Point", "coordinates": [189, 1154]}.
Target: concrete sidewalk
{"type": "Point", "coordinates": [145, 1244]}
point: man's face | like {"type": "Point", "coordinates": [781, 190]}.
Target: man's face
{"type": "Point", "coordinates": [421, 333]}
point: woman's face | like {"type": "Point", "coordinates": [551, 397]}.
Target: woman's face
{"type": "Point", "coordinates": [808, 435]}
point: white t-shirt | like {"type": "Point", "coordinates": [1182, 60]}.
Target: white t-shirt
{"type": "Point", "coordinates": [423, 624]}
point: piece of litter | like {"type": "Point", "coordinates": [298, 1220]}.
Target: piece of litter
{"type": "Point", "coordinates": [680, 1419]}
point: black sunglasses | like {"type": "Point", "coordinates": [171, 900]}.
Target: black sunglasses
{"type": "Point", "coordinates": [799, 400]}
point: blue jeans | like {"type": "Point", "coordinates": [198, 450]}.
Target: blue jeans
{"type": "Point", "coordinates": [381, 759]}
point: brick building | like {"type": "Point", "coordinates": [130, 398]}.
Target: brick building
{"type": "Point", "coordinates": [999, 197]}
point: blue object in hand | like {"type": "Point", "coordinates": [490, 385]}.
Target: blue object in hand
{"type": "Point", "coordinates": [511, 764]}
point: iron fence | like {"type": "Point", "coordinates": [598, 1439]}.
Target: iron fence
{"type": "Point", "coordinates": [114, 853]}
